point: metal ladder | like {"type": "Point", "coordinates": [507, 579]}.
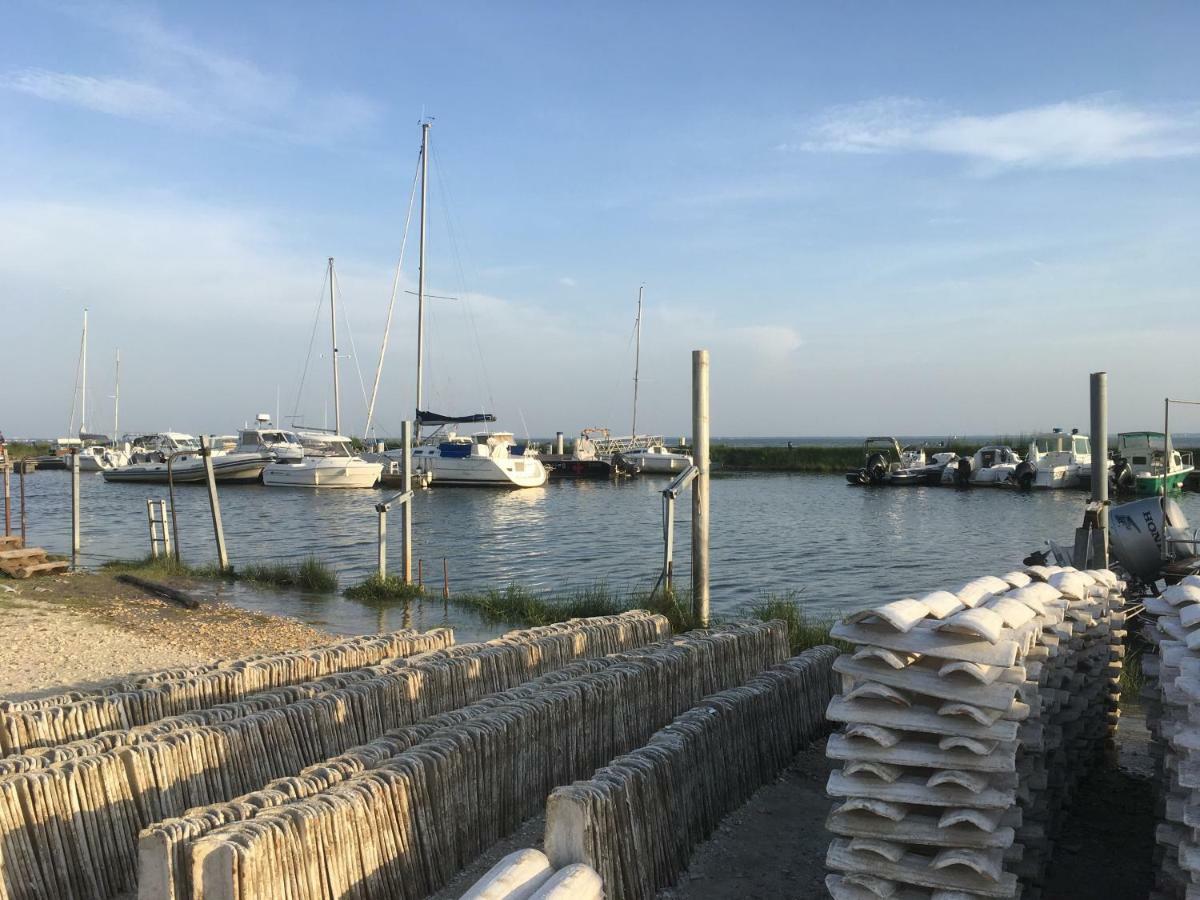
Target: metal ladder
{"type": "Point", "coordinates": [160, 532]}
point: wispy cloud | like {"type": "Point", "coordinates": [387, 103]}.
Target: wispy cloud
{"type": "Point", "coordinates": [1072, 134]}
{"type": "Point", "coordinates": [175, 80]}
{"type": "Point", "coordinates": [567, 281]}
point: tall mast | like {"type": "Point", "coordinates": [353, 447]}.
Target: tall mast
{"type": "Point", "coordinates": [117, 402]}
{"type": "Point", "coordinates": [83, 388]}
{"type": "Point", "coordinates": [421, 273]}
{"type": "Point", "coordinates": [637, 358]}
{"type": "Point", "coordinates": [337, 407]}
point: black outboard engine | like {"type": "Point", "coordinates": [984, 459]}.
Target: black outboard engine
{"type": "Point", "coordinates": [962, 472]}
{"type": "Point", "coordinates": [1025, 475]}
{"type": "Point", "coordinates": [877, 468]}
{"type": "Point", "coordinates": [1122, 476]}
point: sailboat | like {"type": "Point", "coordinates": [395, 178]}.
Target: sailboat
{"type": "Point", "coordinates": [329, 460]}
{"type": "Point", "coordinates": [484, 458]}
{"type": "Point", "coordinates": [104, 457]}
{"type": "Point", "coordinates": [647, 454]}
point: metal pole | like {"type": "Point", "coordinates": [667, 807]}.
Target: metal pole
{"type": "Point", "coordinates": [153, 530]}
{"type": "Point", "coordinates": [162, 523]}
{"type": "Point", "coordinates": [406, 429]}
{"type": "Point", "coordinates": [700, 488]}
{"type": "Point", "coordinates": [558, 443]}
{"type": "Point", "coordinates": [214, 504]}
{"type": "Point", "coordinates": [421, 270]}
{"type": "Point", "coordinates": [637, 359]}
{"type": "Point", "coordinates": [382, 541]}
{"type": "Point", "coordinates": [74, 507]}
{"type": "Point", "coordinates": [83, 389]}
{"type": "Point", "coordinates": [337, 405]}
{"type": "Point", "coordinates": [668, 541]}
{"type": "Point", "coordinates": [1166, 449]}
{"type": "Point", "coordinates": [1100, 464]}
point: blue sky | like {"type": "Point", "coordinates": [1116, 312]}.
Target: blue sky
{"type": "Point", "coordinates": [916, 218]}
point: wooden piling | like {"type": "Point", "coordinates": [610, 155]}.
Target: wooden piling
{"type": "Point", "coordinates": [24, 467]}
{"type": "Point", "coordinates": [406, 514]}
{"type": "Point", "coordinates": [214, 503]}
{"type": "Point", "coordinates": [6, 470]}
{"type": "Point", "coordinates": [74, 507]}
{"type": "Point", "coordinates": [445, 579]}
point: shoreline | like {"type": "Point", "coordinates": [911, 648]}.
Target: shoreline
{"type": "Point", "coordinates": [83, 630]}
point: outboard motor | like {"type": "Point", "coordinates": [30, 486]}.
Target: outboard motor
{"type": "Point", "coordinates": [962, 472]}
{"type": "Point", "coordinates": [1122, 476]}
{"type": "Point", "coordinates": [877, 468]}
{"type": "Point", "coordinates": [1148, 534]}
{"type": "Point", "coordinates": [1025, 475]}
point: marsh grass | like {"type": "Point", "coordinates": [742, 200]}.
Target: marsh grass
{"type": "Point", "coordinates": [308, 575]}
{"type": "Point", "coordinates": [164, 567]}
{"type": "Point", "coordinates": [389, 589]}
{"type": "Point", "coordinates": [804, 630]}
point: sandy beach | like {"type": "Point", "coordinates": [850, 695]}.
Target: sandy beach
{"type": "Point", "coordinates": [82, 630]}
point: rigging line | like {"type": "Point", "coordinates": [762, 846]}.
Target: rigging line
{"type": "Point", "coordinates": [452, 233]}
{"type": "Point", "coordinates": [312, 338]}
{"type": "Point", "coordinates": [387, 328]}
{"type": "Point", "coordinates": [75, 393]}
{"type": "Point", "coordinates": [353, 349]}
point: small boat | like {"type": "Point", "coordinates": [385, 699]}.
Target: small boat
{"type": "Point", "coordinates": [173, 456]}
{"type": "Point", "coordinates": [329, 461]}
{"type": "Point", "coordinates": [1138, 464]}
{"type": "Point", "coordinates": [582, 461]}
{"type": "Point", "coordinates": [990, 466]}
{"type": "Point", "coordinates": [883, 458]}
{"type": "Point", "coordinates": [102, 458]}
{"type": "Point", "coordinates": [1054, 461]}
{"type": "Point", "coordinates": [269, 441]}
{"type": "Point", "coordinates": [655, 460]}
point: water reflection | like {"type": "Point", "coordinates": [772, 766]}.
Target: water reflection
{"type": "Point", "coordinates": [836, 545]}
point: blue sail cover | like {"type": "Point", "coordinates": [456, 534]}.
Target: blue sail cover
{"type": "Point", "coordinates": [424, 417]}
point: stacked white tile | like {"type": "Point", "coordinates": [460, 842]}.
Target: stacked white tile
{"type": "Point", "coordinates": [1172, 702]}
{"type": "Point", "coordinates": [968, 718]}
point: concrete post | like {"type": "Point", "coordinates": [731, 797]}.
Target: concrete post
{"type": "Point", "coordinates": [558, 443]}
{"type": "Point", "coordinates": [700, 518]}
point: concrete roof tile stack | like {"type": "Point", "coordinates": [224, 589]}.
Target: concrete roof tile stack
{"type": "Point", "coordinates": [968, 718]}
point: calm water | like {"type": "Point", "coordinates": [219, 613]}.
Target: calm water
{"type": "Point", "coordinates": [836, 546]}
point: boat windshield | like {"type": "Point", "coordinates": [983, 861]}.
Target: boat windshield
{"type": "Point", "coordinates": [326, 446]}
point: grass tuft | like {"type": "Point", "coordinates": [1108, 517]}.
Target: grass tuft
{"type": "Point", "coordinates": [520, 606]}
{"type": "Point", "coordinates": [308, 575]}
{"type": "Point", "coordinates": [803, 631]}
{"type": "Point", "coordinates": [164, 566]}
{"type": "Point", "coordinates": [388, 589]}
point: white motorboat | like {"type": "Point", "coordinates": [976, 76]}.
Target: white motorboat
{"type": "Point", "coordinates": [1054, 461]}
{"type": "Point", "coordinates": [484, 458]}
{"type": "Point", "coordinates": [269, 441]}
{"type": "Point", "coordinates": [655, 460]}
{"type": "Point", "coordinates": [329, 461]}
{"type": "Point", "coordinates": [990, 466]}
{"type": "Point", "coordinates": [176, 457]}
{"type": "Point", "coordinates": [102, 458]}
{"type": "Point", "coordinates": [1140, 465]}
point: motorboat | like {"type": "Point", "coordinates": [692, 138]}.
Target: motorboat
{"type": "Point", "coordinates": [486, 458]}
{"type": "Point", "coordinates": [656, 459]}
{"type": "Point", "coordinates": [329, 461]}
{"type": "Point", "coordinates": [102, 458]}
{"type": "Point", "coordinates": [1139, 464]}
{"type": "Point", "coordinates": [989, 466]}
{"type": "Point", "coordinates": [583, 461]}
{"type": "Point", "coordinates": [272, 442]}
{"type": "Point", "coordinates": [1054, 461]}
{"type": "Point", "coordinates": [176, 457]}
{"type": "Point", "coordinates": [886, 462]}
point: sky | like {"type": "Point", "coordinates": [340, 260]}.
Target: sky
{"type": "Point", "coordinates": [930, 218]}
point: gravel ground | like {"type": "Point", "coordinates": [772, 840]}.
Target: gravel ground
{"type": "Point", "coordinates": [82, 630]}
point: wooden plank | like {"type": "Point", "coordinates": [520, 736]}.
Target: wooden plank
{"type": "Point", "coordinates": [11, 541]}
{"type": "Point", "coordinates": [45, 568]}
{"type": "Point", "coordinates": [21, 554]}
{"type": "Point", "coordinates": [183, 598]}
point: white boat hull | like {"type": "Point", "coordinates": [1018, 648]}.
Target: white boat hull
{"type": "Point", "coordinates": [322, 473]}
{"type": "Point", "coordinates": [226, 468]}
{"type": "Point", "coordinates": [479, 471]}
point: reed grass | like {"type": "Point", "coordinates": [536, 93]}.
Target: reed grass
{"type": "Point", "coordinates": [804, 631]}
{"type": "Point", "coordinates": [165, 567]}
{"type": "Point", "coordinates": [389, 589]}
{"type": "Point", "coordinates": [310, 574]}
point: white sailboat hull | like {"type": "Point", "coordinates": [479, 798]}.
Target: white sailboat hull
{"type": "Point", "coordinates": [320, 472]}
{"type": "Point", "coordinates": [232, 467]}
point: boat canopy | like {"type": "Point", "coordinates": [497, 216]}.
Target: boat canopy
{"type": "Point", "coordinates": [424, 417]}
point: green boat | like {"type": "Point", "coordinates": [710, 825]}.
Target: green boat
{"type": "Point", "coordinates": [1139, 464]}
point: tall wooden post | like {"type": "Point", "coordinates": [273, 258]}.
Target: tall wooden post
{"type": "Point", "coordinates": [5, 472]}
{"type": "Point", "coordinates": [214, 503]}
{"type": "Point", "coordinates": [381, 508]}
{"type": "Point", "coordinates": [1099, 425]}
{"type": "Point", "coordinates": [74, 508]}
{"type": "Point", "coordinates": [24, 466]}
{"type": "Point", "coordinates": [700, 518]}
{"type": "Point", "coordinates": [406, 431]}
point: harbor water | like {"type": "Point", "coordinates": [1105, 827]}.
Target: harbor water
{"type": "Point", "coordinates": [831, 545]}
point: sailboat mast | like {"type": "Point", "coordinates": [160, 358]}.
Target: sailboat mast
{"type": "Point", "coordinates": [83, 388]}
{"type": "Point", "coordinates": [421, 273]}
{"type": "Point", "coordinates": [337, 407]}
{"type": "Point", "coordinates": [117, 402]}
{"type": "Point", "coordinates": [637, 357]}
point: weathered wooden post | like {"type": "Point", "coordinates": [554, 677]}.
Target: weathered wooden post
{"type": "Point", "coordinates": [74, 507]}
{"type": "Point", "coordinates": [558, 443]}
{"type": "Point", "coordinates": [700, 488]}
{"type": "Point", "coordinates": [381, 508]}
{"type": "Point", "coordinates": [171, 494]}
{"type": "Point", "coordinates": [406, 486]}
{"type": "Point", "coordinates": [153, 529]}
{"type": "Point", "coordinates": [668, 541]}
{"type": "Point", "coordinates": [5, 470]}
{"type": "Point", "coordinates": [445, 579]}
{"type": "Point", "coordinates": [24, 467]}
{"type": "Point", "coordinates": [1099, 426]}
{"type": "Point", "coordinates": [214, 504]}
